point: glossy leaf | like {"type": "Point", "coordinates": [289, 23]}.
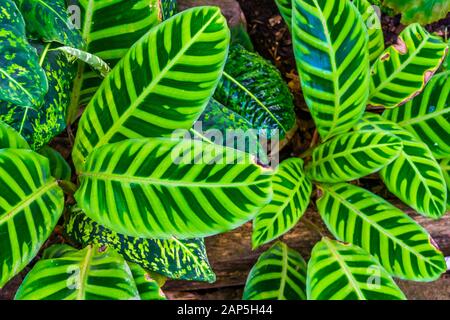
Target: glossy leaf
{"type": "Point", "coordinates": [285, 7]}
{"type": "Point", "coordinates": [279, 274]}
{"type": "Point", "coordinates": [163, 188]}
{"type": "Point", "coordinates": [331, 49]}
{"type": "Point", "coordinates": [405, 68]}
{"type": "Point", "coordinates": [428, 115]}
{"type": "Point", "coordinates": [414, 176]}
{"type": "Point", "coordinates": [141, 98]}
{"type": "Point", "coordinates": [148, 287]}
{"type": "Point", "coordinates": [402, 247]}
{"type": "Point", "coordinates": [176, 259]}
{"type": "Point", "coordinates": [291, 195]}
{"type": "Point", "coordinates": [10, 138]}
{"type": "Point", "coordinates": [253, 88]}
{"type": "Point", "coordinates": [40, 126]}
{"type": "Point", "coordinates": [93, 61]}
{"type": "Point", "coordinates": [31, 203]}
{"type": "Point", "coordinates": [422, 11]}
{"type": "Point", "coordinates": [339, 271]}
{"type": "Point", "coordinates": [59, 167]}
{"type": "Point", "coordinates": [89, 274]}
{"type": "Point", "coordinates": [22, 80]}
{"type": "Point", "coordinates": [109, 29]}
{"type": "Point", "coordinates": [49, 21]}
{"type": "Point", "coordinates": [353, 155]}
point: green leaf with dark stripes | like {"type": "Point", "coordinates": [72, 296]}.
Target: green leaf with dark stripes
{"type": "Point", "coordinates": [291, 195]}
{"type": "Point", "coordinates": [59, 167]}
{"type": "Point", "coordinates": [374, 28]}
{"type": "Point", "coordinates": [160, 85]}
{"type": "Point", "coordinates": [176, 259]}
{"type": "Point", "coordinates": [404, 69]}
{"type": "Point", "coordinates": [89, 274]}
{"type": "Point", "coordinates": [445, 165]}
{"type": "Point", "coordinates": [110, 29]}
{"type": "Point", "coordinates": [147, 287]}
{"type": "Point", "coordinates": [93, 61]}
{"type": "Point", "coordinates": [22, 80]}
{"type": "Point", "coordinates": [162, 188]}
{"type": "Point", "coordinates": [353, 155]}
{"type": "Point", "coordinates": [40, 126]}
{"type": "Point", "coordinates": [279, 274]}
{"type": "Point", "coordinates": [252, 87]}
{"type": "Point", "coordinates": [422, 11]}
{"type": "Point", "coordinates": [31, 203]}
{"type": "Point", "coordinates": [402, 247]}
{"type": "Point", "coordinates": [428, 115]}
{"type": "Point", "coordinates": [414, 176]}
{"type": "Point", "coordinates": [332, 53]}
{"type": "Point", "coordinates": [338, 271]}
{"type": "Point", "coordinates": [49, 20]}
{"type": "Point", "coordinates": [10, 138]}
{"type": "Point", "coordinates": [285, 7]}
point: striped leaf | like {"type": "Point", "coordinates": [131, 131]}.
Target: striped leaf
{"type": "Point", "coordinates": [285, 7]}
{"type": "Point", "coordinates": [253, 88]}
{"type": "Point", "coordinates": [331, 49]}
{"type": "Point", "coordinates": [279, 274]}
{"type": "Point", "coordinates": [40, 126]}
{"type": "Point", "coordinates": [428, 115]}
{"type": "Point", "coordinates": [291, 195]}
{"type": "Point", "coordinates": [89, 274]}
{"type": "Point", "coordinates": [402, 247]}
{"type": "Point", "coordinates": [176, 259]}
{"type": "Point", "coordinates": [414, 176]}
{"type": "Point", "coordinates": [31, 203]}
{"type": "Point", "coordinates": [59, 167]}
{"type": "Point", "coordinates": [373, 24]}
{"type": "Point", "coordinates": [159, 85]}
{"type": "Point", "coordinates": [160, 188]}
{"type": "Point", "coordinates": [10, 138]}
{"type": "Point", "coordinates": [445, 165]}
{"type": "Point", "coordinates": [109, 29]}
{"type": "Point", "coordinates": [353, 155]}
{"type": "Point", "coordinates": [22, 80]}
{"type": "Point", "coordinates": [422, 11]}
{"type": "Point", "coordinates": [339, 271]}
{"type": "Point", "coordinates": [404, 69]}
{"type": "Point", "coordinates": [92, 60]}
{"type": "Point", "coordinates": [147, 287]}
{"type": "Point", "coordinates": [49, 20]}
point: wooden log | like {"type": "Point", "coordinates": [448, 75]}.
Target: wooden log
{"type": "Point", "coordinates": [232, 257]}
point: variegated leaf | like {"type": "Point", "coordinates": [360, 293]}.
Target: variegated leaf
{"type": "Point", "coordinates": [10, 138]}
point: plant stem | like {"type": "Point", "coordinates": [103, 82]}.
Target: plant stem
{"type": "Point", "coordinates": [68, 187]}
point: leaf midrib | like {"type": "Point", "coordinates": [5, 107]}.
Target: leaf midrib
{"type": "Point", "coordinates": [425, 117]}
{"type": "Point", "coordinates": [81, 294]}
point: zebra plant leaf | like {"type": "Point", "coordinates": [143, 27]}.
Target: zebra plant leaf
{"type": "Point", "coordinates": [373, 24]}
{"type": "Point", "coordinates": [338, 271]}
{"type": "Point", "coordinates": [10, 138]}
{"type": "Point", "coordinates": [31, 203]}
{"type": "Point", "coordinates": [405, 68]}
{"type": "Point", "coordinates": [49, 21]}
{"type": "Point", "coordinates": [40, 126]}
{"type": "Point", "coordinates": [428, 115]}
{"type": "Point", "coordinates": [93, 61]}
{"type": "Point", "coordinates": [140, 98]}
{"type": "Point", "coordinates": [90, 274]}
{"type": "Point", "coordinates": [147, 287]}
{"type": "Point", "coordinates": [279, 274]}
{"type": "Point", "coordinates": [445, 165]}
{"type": "Point", "coordinates": [176, 259]}
{"type": "Point", "coordinates": [402, 247]}
{"type": "Point", "coordinates": [59, 167]}
{"type": "Point", "coordinates": [332, 53]}
{"type": "Point", "coordinates": [422, 11]}
{"type": "Point", "coordinates": [167, 188]}
{"type": "Point", "coordinates": [291, 194]}
{"type": "Point", "coordinates": [22, 80]}
{"type": "Point", "coordinates": [285, 7]}
{"type": "Point", "coordinates": [109, 30]}
{"type": "Point", "coordinates": [253, 87]}
{"type": "Point", "coordinates": [414, 176]}
{"type": "Point", "coordinates": [353, 155]}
